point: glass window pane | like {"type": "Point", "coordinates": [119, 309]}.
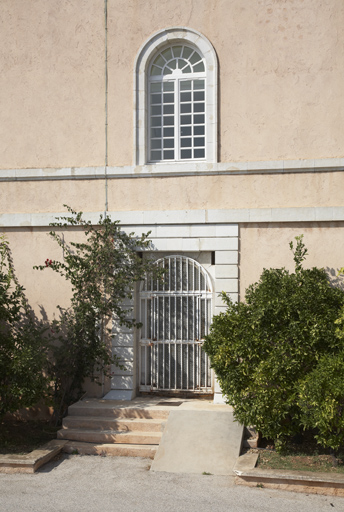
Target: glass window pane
{"type": "Point", "coordinates": [199, 118]}
{"type": "Point", "coordinates": [177, 51]}
{"type": "Point", "coordinates": [168, 132]}
{"type": "Point", "coordinates": [167, 54]}
{"type": "Point", "coordinates": [185, 108]}
{"type": "Point", "coordinates": [187, 51]}
{"type": "Point", "coordinates": [168, 120]}
{"type": "Point", "coordinates": [199, 96]}
{"type": "Point", "coordinates": [168, 98]}
{"type": "Point", "coordinates": [155, 71]}
{"type": "Point", "coordinates": [155, 110]}
{"type": "Point", "coordinates": [167, 71]}
{"type": "Point", "coordinates": [172, 64]}
{"type": "Point", "coordinates": [185, 143]}
{"type": "Point", "coordinates": [199, 141]}
{"type": "Point", "coordinates": [198, 130]}
{"type": "Point", "coordinates": [155, 155]}
{"type": "Point", "coordinates": [195, 57]}
{"type": "Point", "coordinates": [168, 86]}
{"type": "Point", "coordinates": [185, 96]}
{"type": "Point", "coordinates": [199, 107]}
{"type": "Point", "coordinates": [156, 144]}
{"type": "Point", "coordinates": [155, 98]}
{"type": "Point", "coordinates": [199, 68]}
{"type": "Point", "coordinates": [185, 85]}
{"type": "Point", "coordinates": [187, 69]}
{"type": "Point", "coordinates": [198, 84]}
{"type": "Point", "coordinates": [160, 61]}
{"type": "Point", "coordinates": [199, 153]}
{"type": "Point", "coordinates": [168, 143]}
{"type": "Point", "coordinates": [155, 132]}
{"type": "Point", "coordinates": [168, 109]}
{"type": "Point", "coordinates": [169, 155]}
{"type": "Point", "coordinates": [156, 121]}
{"type": "Point", "coordinates": [155, 87]}
{"type": "Point", "coordinates": [182, 63]}
{"type": "Point", "coordinates": [185, 119]}
{"type": "Point", "coordinates": [185, 130]}
{"type": "Point", "coordinates": [185, 153]}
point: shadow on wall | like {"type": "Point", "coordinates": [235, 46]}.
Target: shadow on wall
{"type": "Point", "coordinates": [335, 280]}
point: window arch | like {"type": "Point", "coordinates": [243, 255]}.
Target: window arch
{"type": "Point", "coordinates": [176, 93]}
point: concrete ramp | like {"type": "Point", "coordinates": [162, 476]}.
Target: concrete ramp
{"type": "Point", "coordinates": [197, 441]}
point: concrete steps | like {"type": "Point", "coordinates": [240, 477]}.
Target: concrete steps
{"type": "Point", "coordinates": [104, 427]}
{"type": "Point", "coordinates": [114, 450]}
{"type": "Point", "coordinates": [120, 424]}
{"type": "Point", "coordinates": [109, 436]}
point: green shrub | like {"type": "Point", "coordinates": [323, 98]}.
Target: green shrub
{"type": "Point", "coordinates": [23, 351]}
{"type": "Point", "coordinates": [102, 270]}
{"type": "Point", "coordinates": [321, 400]}
{"type": "Point", "coordinates": [263, 348]}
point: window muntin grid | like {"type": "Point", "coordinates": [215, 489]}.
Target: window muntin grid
{"type": "Point", "coordinates": [177, 105]}
{"type": "Point", "coordinates": [175, 316]}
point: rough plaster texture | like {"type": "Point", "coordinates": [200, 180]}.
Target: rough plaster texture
{"type": "Point", "coordinates": [44, 289]}
{"type": "Point", "coordinates": [276, 61]}
{"type": "Point", "coordinates": [50, 196]}
{"type": "Point", "coordinates": [52, 85]}
{"type": "Point", "coordinates": [280, 77]}
{"type": "Point", "coordinates": [256, 191]}
{"type": "Point", "coordinates": [269, 243]}
{"type": "Point", "coordinates": [175, 193]}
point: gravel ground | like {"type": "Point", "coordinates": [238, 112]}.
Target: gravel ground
{"type": "Point", "coordinates": [84, 483]}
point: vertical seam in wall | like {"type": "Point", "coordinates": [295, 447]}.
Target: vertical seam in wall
{"type": "Point", "coordinates": [106, 103]}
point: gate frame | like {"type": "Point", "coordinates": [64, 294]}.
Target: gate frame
{"type": "Point", "coordinates": [208, 294]}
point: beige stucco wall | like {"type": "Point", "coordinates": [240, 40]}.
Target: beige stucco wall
{"type": "Point", "coordinates": [267, 245]}
{"type": "Point", "coordinates": [175, 193]}
{"type": "Point", "coordinates": [280, 72]}
{"type": "Point", "coordinates": [52, 83]}
{"type": "Point", "coordinates": [280, 77]}
{"type": "Point", "coordinates": [45, 290]}
{"type": "Point", "coordinates": [260, 246]}
{"type": "Point", "coordinates": [50, 196]}
{"type": "Point", "coordinates": [217, 192]}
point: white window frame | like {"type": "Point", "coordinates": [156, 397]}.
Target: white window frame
{"type": "Point", "coordinates": [159, 40]}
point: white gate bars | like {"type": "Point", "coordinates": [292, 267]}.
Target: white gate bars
{"type": "Point", "coordinates": [175, 316]}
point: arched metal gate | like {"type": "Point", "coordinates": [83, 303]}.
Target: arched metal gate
{"type": "Point", "coordinates": [175, 316]}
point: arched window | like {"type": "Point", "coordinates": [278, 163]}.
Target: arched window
{"type": "Point", "coordinates": [175, 316]}
{"type": "Point", "coordinates": [176, 92]}
{"type": "Point", "coordinates": [176, 105]}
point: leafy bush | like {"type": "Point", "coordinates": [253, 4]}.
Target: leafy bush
{"type": "Point", "coordinates": [102, 271]}
{"type": "Point", "coordinates": [321, 400]}
{"type": "Point", "coordinates": [23, 350]}
{"type": "Point", "coordinates": [262, 349]}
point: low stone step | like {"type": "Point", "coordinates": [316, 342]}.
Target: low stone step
{"type": "Point", "coordinates": [109, 436]}
{"type": "Point", "coordinates": [114, 450]}
{"type": "Point", "coordinates": [106, 410]}
{"type": "Point", "coordinates": [30, 462]}
{"type": "Point", "coordinates": [118, 424]}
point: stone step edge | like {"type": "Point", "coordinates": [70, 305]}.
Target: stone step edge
{"type": "Point", "coordinates": [121, 433]}
{"type": "Point", "coordinates": [112, 450]}
{"type": "Point", "coordinates": [119, 413]}
{"type": "Point", "coordinates": [29, 463]}
{"type": "Point", "coordinates": [297, 481]}
{"type": "Point", "coordinates": [110, 437]}
{"type": "Point", "coordinates": [152, 421]}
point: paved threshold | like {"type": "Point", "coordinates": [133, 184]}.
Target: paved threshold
{"type": "Point", "coordinates": [247, 473]}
